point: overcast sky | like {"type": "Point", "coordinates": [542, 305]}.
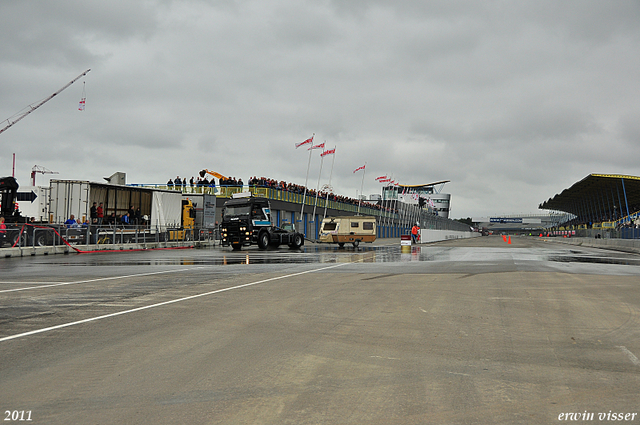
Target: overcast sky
{"type": "Point", "coordinates": [511, 101]}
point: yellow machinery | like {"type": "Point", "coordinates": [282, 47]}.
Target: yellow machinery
{"type": "Point", "coordinates": [211, 173]}
{"type": "Point", "coordinates": [188, 223]}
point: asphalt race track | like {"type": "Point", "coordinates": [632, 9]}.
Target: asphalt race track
{"type": "Point", "coordinates": [473, 331]}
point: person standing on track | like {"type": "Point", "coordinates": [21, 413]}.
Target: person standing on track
{"type": "Point", "coordinates": [414, 233]}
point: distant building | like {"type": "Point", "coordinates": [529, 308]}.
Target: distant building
{"type": "Point", "coordinates": [434, 200]}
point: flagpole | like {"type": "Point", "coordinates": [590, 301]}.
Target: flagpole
{"type": "Point", "coordinates": [318, 186]}
{"type": "Point", "coordinates": [330, 175]}
{"type": "Point", "coordinates": [386, 215]}
{"type": "Point", "coordinates": [382, 219]}
{"type": "Point", "coordinates": [390, 203]}
{"type": "Point", "coordinates": [304, 196]}
{"type": "Point", "coordinates": [364, 171]}
{"type": "Point", "coordinates": [396, 191]}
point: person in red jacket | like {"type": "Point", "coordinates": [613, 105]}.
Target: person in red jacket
{"type": "Point", "coordinates": [414, 233]}
{"type": "Point", "coordinates": [100, 213]}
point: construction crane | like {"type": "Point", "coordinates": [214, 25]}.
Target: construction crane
{"type": "Point", "coordinates": [41, 170]}
{"type": "Point", "coordinates": [213, 173]}
{"type": "Point", "coordinates": [20, 115]}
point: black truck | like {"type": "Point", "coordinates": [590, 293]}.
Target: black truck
{"type": "Point", "coordinates": [8, 193]}
{"type": "Point", "coordinates": [10, 214]}
{"type": "Point", "coordinates": [246, 220]}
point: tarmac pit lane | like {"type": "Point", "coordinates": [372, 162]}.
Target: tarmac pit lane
{"type": "Point", "coordinates": [252, 255]}
{"type": "Point", "coordinates": [321, 254]}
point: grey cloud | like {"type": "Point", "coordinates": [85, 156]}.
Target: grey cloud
{"type": "Point", "coordinates": [507, 100]}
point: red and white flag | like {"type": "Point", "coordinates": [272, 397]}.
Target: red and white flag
{"type": "Point", "coordinates": [320, 146]}
{"type": "Point", "coordinates": [359, 168]}
{"type": "Point", "coordinates": [381, 178]}
{"type": "Point", "coordinates": [81, 104]}
{"type": "Point", "coordinates": [329, 152]}
{"type": "Point", "coordinates": [305, 142]}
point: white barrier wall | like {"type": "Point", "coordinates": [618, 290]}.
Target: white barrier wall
{"type": "Point", "coordinates": [428, 235]}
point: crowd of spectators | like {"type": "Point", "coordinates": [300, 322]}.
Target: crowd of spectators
{"type": "Point", "coordinates": [181, 184]}
{"type": "Point", "coordinates": [299, 189]}
{"type": "Point", "coordinates": [613, 216]}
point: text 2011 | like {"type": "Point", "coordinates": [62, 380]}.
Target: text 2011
{"type": "Point", "coordinates": [17, 415]}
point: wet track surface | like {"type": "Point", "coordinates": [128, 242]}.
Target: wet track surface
{"type": "Point", "coordinates": [465, 331]}
{"type": "Point", "coordinates": [382, 252]}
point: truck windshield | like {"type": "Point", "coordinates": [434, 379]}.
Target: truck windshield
{"type": "Point", "coordinates": [234, 211]}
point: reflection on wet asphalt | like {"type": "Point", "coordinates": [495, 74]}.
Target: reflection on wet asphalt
{"type": "Point", "coordinates": [330, 254]}
{"type": "Point", "coordinates": [595, 260]}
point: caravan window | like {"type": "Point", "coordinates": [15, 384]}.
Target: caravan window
{"type": "Point", "coordinates": [367, 225]}
{"type": "Point", "coordinates": [329, 226]}
{"type": "Point", "coordinates": [355, 224]}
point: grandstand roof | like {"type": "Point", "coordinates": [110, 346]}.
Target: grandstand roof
{"type": "Point", "coordinates": [602, 190]}
{"type": "Point", "coordinates": [423, 185]}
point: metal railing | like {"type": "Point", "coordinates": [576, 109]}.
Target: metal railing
{"type": "Point", "coordinates": [391, 221]}
{"type": "Point", "coordinates": [278, 195]}
{"type": "Point", "coordinates": [22, 235]}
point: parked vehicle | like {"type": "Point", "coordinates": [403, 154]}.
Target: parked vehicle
{"type": "Point", "coordinates": [348, 229]}
{"type": "Point", "coordinates": [246, 220]}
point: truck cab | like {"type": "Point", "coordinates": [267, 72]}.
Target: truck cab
{"type": "Point", "coordinates": [246, 220]}
{"type": "Point", "coordinates": [8, 194]}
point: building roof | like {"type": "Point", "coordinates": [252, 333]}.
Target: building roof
{"type": "Point", "coordinates": [415, 186]}
{"type": "Point", "coordinates": [597, 191]}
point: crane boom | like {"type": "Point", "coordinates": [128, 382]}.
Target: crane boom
{"type": "Point", "coordinates": [39, 169]}
{"type": "Point", "coordinates": [213, 173]}
{"type": "Point", "coordinates": [39, 104]}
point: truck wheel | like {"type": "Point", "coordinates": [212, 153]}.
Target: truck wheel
{"type": "Point", "coordinates": [263, 240]}
{"type": "Point", "coordinates": [24, 239]}
{"type": "Point", "coordinates": [41, 239]}
{"type": "Point", "coordinates": [356, 243]}
{"type": "Point", "coordinates": [297, 242]}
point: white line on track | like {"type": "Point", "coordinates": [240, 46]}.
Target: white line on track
{"type": "Point", "coordinates": [629, 354]}
{"type": "Point", "coordinates": [106, 316]}
{"type": "Point", "coordinates": [49, 285]}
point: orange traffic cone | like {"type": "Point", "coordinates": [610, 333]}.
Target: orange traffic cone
{"type": "Point", "coordinates": [504, 238]}
{"type": "Point", "coordinates": [509, 240]}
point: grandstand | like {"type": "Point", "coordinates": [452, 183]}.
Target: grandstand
{"type": "Point", "coordinates": [606, 205]}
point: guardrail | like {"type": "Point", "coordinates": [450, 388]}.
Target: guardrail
{"type": "Point", "coordinates": [23, 235]}
{"type": "Point", "coordinates": [604, 230]}
{"type": "Point", "coordinates": [275, 194]}
{"type": "Point", "coordinates": [390, 222]}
